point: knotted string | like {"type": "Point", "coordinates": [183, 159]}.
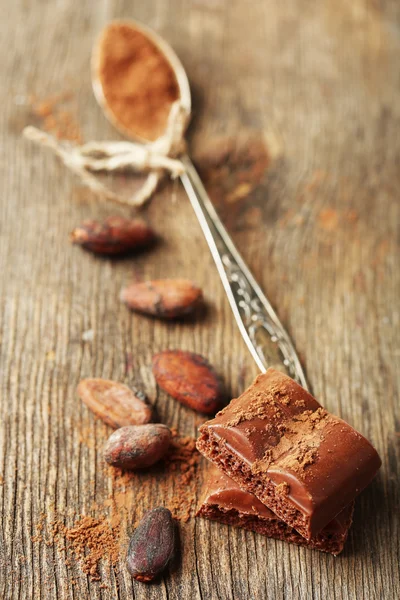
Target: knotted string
{"type": "Point", "coordinates": [155, 158]}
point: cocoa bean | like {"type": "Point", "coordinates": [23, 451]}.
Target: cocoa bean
{"type": "Point", "coordinates": [115, 403]}
{"type": "Point", "coordinates": [152, 545]}
{"type": "Point", "coordinates": [164, 298]}
{"type": "Point", "coordinates": [189, 378]}
{"type": "Point", "coordinates": [137, 447]}
{"type": "Point", "coordinates": [115, 235]}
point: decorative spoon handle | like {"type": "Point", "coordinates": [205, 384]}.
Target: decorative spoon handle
{"type": "Point", "coordinates": [264, 334]}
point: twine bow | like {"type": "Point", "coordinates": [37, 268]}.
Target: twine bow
{"type": "Point", "coordinates": [155, 158]}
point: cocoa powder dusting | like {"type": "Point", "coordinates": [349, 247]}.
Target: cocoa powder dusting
{"type": "Point", "coordinates": [138, 82]}
{"type": "Point", "coordinates": [89, 539]}
{"type": "Point", "coordinates": [298, 448]}
{"type": "Point", "coordinates": [328, 219]}
{"type": "Point", "coordinates": [182, 462]}
{"type": "Point", "coordinates": [92, 540]}
{"type": "Point", "coordinates": [257, 404]}
{"type": "Point", "coordinates": [56, 118]}
{"type": "Point", "coordinates": [39, 529]}
{"type": "Point", "coordinates": [265, 401]}
{"type": "Point", "coordinates": [233, 171]}
{"type": "Point", "coordinates": [282, 488]}
{"type": "Point", "coordinates": [293, 419]}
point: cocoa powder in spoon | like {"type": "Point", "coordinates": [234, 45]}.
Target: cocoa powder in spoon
{"type": "Point", "coordinates": [138, 82]}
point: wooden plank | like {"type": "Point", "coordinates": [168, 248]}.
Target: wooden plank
{"type": "Point", "coordinates": [320, 234]}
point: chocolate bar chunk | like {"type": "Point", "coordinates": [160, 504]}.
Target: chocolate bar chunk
{"type": "Point", "coordinates": [225, 502]}
{"type": "Point", "coordinates": [279, 444]}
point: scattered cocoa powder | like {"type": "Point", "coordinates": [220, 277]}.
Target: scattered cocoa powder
{"type": "Point", "coordinates": [352, 216]}
{"type": "Point", "coordinates": [105, 537]}
{"type": "Point", "coordinates": [92, 540]}
{"type": "Point", "coordinates": [253, 216]}
{"type": "Point", "coordinates": [317, 178]}
{"type": "Point", "coordinates": [56, 118]}
{"type": "Point", "coordinates": [39, 529]}
{"type": "Point", "coordinates": [182, 462]}
{"type": "Point", "coordinates": [86, 434]}
{"type": "Point", "coordinates": [328, 219]}
{"type": "Point", "coordinates": [233, 169]}
{"type": "Point", "coordinates": [235, 165]}
{"type": "Point", "coordinates": [172, 482]}
{"type": "Point", "coordinates": [138, 83]}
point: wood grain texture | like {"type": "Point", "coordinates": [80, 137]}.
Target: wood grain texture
{"type": "Point", "coordinates": [321, 236]}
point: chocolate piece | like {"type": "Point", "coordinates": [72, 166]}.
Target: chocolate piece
{"type": "Point", "coordinates": [279, 444]}
{"type": "Point", "coordinates": [225, 502]}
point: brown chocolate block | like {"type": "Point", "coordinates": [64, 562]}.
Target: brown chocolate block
{"type": "Point", "coordinates": [279, 444]}
{"type": "Point", "coordinates": [225, 502]}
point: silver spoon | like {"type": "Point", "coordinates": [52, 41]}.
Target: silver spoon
{"type": "Point", "coordinates": [264, 334]}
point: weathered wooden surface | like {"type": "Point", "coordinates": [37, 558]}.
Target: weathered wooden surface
{"type": "Point", "coordinates": [321, 236]}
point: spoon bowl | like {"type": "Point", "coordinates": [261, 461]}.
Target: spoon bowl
{"type": "Point", "coordinates": [168, 53]}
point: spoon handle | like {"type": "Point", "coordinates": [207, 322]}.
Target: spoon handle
{"type": "Point", "coordinates": [265, 336]}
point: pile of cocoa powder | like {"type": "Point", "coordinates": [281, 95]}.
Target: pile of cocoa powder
{"type": "Point", "coordinates": [89, 539]}
{"type": "Point", "coordinates": [138, 83]}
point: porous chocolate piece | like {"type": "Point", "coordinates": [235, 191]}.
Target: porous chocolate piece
{"type": "Point", "coordinates": [279, 444]}
{"type": "Point", "coordinates": [225, 502]}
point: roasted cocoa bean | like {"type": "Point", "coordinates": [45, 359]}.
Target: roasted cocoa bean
{"type": "Point", "coordinates": [164, 298]}
{"type": "Point", "coordinates": [152, 545]}
{"type": "Point", "coordinates": [115, 235]}
{"type": "Point", "coordinates": [115, 403]}
{"type": "Point", "coordinates": [189, 378]}
{"type": "Point", "coordinates": [137, 447]}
